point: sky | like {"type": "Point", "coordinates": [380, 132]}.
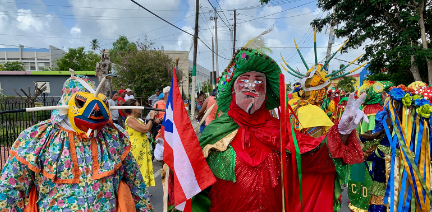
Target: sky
{"type": "Point", "coordinates": [74, 23]}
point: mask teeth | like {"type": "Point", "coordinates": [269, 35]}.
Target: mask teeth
{"type": "Point", "coordinates": [89, 132]}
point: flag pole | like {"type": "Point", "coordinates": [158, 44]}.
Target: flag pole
{"type": "Point", "coordinates": [282, 116]}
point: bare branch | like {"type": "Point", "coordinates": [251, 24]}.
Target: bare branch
{"type": "Point", "coordinates": [18, 93]}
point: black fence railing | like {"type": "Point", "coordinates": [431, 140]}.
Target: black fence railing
{"type": "Point", "coordinates": [12, 124]}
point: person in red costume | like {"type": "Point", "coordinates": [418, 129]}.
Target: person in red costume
{"type": "Point", "coordinates": [242, 146]}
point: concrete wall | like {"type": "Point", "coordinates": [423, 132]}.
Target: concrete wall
{"type": "Point", "coordinates": [56, 54]}
{"type": "Point", "coordinates": [183, 66]}
{"type": "Point", "coordinates": [10, 82]}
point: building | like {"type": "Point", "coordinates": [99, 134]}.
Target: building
{"type": "Point", "coordinates": [356, 76]}
{"type": "Point", "coordinates": [10, 80]}
{"type": "Point", "coordinates": [183, 66]}
{"type": "Point", "coordinates": [202, 75]}
{"type": "Point", "coordinates": [32, 58]}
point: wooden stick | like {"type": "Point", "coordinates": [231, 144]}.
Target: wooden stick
{"type": "Point", "coordinates": [165, 190]}
{"type": "Point", "coordinates": [204, 118]}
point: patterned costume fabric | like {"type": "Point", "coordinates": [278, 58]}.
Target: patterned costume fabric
{"type": "Point", "coordinates": [141, 151]}
{"type": "Point", "coordinates": [70, 172]}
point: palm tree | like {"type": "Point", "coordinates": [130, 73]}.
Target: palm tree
{"type": "Point", "coordinates": [347, 84]}
{"type": "Point", "coordinates": [94, 44]}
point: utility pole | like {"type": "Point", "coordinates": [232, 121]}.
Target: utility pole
{"type": "Point", "coordinates": [213, 74]}
{"type": "Point", "coordinates": [194, 60]}
{"type": "Point", "coordinates": [216, 41]}
{"type": "Point", "coordinates": [235, 24]}
{"type": "Point", "coordinates": [331, 41]}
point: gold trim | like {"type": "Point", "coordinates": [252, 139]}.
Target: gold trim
{"type": "Point", "coordinates": [355, 209]}
{"type": "Point", "coordinates": [221, 145]}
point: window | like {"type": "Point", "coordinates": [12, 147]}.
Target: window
{"type": "Point", "coordinates": [39, 84]}
{"type": "Point", "coordinates": [32, 66]}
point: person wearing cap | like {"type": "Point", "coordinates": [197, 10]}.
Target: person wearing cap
{"type": "Point", "coordinates": [205, 107]}
{"type": "Point", "coordinates": [161, 104]}
{"type": "Point", "coordinates": [154, 98]}
{"type": "Point", "coordinates": [113, 102]}
{"type": "Point", "coordinates": [128, 94]}
{"type": "Point", "coordinates": [120, 101]}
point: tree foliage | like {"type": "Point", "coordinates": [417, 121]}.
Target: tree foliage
{"type": "Point", "coordinates": [12, 66]}
{"type": "Point", "coordinates": [143, 71]}
{"type": "Point", "coordinates": [78, 60]}
{"type": "Point", "coordinates": [347, 84]}
{"type": "Point", "coordinates": [389, 30]}
{"type": "Point", "coordinates": [121, 48]}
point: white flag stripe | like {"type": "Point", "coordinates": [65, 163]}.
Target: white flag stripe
{"type": "Point", "coordinates": [182, 166]}
{"type": "Point", "coordinates": [181, 206]}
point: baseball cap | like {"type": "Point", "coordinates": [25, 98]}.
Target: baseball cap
{"type": "Point", "coordinates": [157, 90]}
{"type": "Point", "coordinates": [122, 91]}
{"type": "Point", "coordinates": [128, 90]}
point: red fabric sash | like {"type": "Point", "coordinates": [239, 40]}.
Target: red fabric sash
{"type": "Point", "coordinates": [257, 136]}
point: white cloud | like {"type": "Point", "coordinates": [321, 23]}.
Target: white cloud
{"type": "Point", "coordinates": [27, 21]}
{"type": "Point", "coordinates": [75, 31]}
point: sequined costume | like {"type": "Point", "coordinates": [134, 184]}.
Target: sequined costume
{"type": "Point", "coordinates": [242, 151]}
{"type": "Point", "coordinates": [54, 168]}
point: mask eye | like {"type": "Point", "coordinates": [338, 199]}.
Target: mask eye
{"type": "Point", "coordinates": [80, 101]}
{"type": "Point", "coordinates": [258, 81]}
{"type": "Point", "coordinates": [245, 80]}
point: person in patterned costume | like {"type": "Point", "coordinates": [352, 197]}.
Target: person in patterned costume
{"type": "Point", "coordinates": [76, 161]}
{"type": "Point", "coordinates": [242, 146]}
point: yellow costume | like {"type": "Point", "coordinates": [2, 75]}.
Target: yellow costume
{"type": "Point", "coordinates": [140, 149]}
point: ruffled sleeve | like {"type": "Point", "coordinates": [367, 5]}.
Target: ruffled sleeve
{"type": "Point", "coordinates": [350, 153]}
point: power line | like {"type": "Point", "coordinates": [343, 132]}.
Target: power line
{"type": "Point", "coordinates": [105, 8]}
{"type": "Point", "coordinates": [261, 6]}
{"type": "Point", "coordinates": [174, 26]}
{"type": "Point", "coordinates": [218, 14]}
{"type": "Point", "coordinates": [278, 12]}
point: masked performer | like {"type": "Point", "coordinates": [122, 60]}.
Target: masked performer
{"type": "Point", "coordinates": [330, 104]}
{"type": "Point", "coordinates": [76, 161]}
{"type": "Point", "coordinates": [242, 145]}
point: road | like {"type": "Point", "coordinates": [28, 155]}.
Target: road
{"type": "Point", "coordinates": [157, 191]}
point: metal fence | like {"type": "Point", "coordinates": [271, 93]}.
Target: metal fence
{"type": "Point", "coordinates": [12, 124]}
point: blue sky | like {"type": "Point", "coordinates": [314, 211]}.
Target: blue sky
{"type": "Point", "coordinates": [73, 23]}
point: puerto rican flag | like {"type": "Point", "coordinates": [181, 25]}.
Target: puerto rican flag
{"type": "Point", "coordinates": [182, 151]}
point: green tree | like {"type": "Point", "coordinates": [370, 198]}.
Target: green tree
{"type": "Point", "coordinates": [78, 60]}
{"type": "Point", "coordinates": [347, 84]}
{"type": "Point", "coordinates": [94, 44]}
{"type": "Point", "coordinates": [143, 71]}
{"type": "Point", "coordinates": [12, 66]}
{"type": "Point", "coordinates": [122, 47]}
{"type": "Point", "coordinates": [393, 33]}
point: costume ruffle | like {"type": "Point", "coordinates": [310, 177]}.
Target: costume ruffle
{"type": "Point", "coordinates": [50, 149]}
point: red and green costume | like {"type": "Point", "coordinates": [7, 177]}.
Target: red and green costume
{"type": "Point", "coordinates": [242, 151]}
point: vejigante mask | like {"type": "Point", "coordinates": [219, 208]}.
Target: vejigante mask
{"type": "Point", "coordinates": [87, 112]}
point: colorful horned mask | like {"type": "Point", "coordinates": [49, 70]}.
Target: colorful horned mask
{"type": "Point", "coordinates": [87, 112]}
